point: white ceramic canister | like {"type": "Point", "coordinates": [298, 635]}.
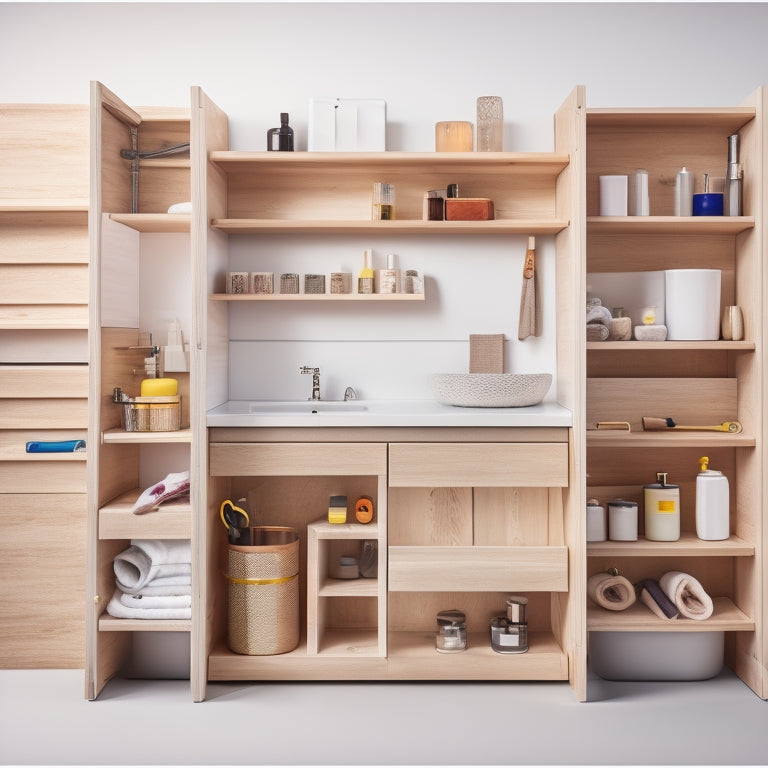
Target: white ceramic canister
{"type": "Point", "coordinates": [622, 520]}
{"type": "Point", "coordinates": [712, 503]}
{"type": "Point", "coordinates": [597, 521]}
{"type": "Point", "coordinates": [662, 510]}
{"type": "Point", "coordinates": [692, 304]}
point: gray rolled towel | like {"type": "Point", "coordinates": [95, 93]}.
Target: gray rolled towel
{"type": "Point", "coordinates": [596, 313]}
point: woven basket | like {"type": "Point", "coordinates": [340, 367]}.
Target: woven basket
{"type": "Point", "coordinates": [263, 595]}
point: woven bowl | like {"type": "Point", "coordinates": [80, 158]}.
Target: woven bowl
{"type": "Point", "coordinates": [491, 390]}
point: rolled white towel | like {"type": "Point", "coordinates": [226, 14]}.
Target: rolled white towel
{"type": "Point", "coordinates": [687, 594]}
{"type": "Point", "coordinates": [116, 608]}
{"type": "Point", "coordinates": [142, 602]}
{"type": "Point", "coordinates": [147, 560]}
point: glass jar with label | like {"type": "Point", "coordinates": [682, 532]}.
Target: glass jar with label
{"type": "Point", "coordinates": [451, 634]}
{"type": "Point", "coordinates": [509, 634]}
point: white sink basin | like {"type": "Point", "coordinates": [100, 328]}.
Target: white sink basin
{"type": "Point", "coordinates": [310, 407]}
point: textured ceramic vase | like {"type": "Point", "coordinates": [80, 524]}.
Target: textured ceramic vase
{"type": "Point", "coordinates": [490, 124]}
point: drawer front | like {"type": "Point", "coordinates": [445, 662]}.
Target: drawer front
{"type": "Point", "coordinates": [532, 465]}
{"type": "Point", "coordinates": [299, 459]}
{"type": "Point", "coordinates": [478, 569]}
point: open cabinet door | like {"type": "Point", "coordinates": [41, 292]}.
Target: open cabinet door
{"type": "Point", "coordinates": [111, 123]}
{"type": "Point", "coordinates": [209, 364]}
{"type": "Point", "coordinates": [569, 609]}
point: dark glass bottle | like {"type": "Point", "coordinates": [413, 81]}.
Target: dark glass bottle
{"type": "Point", "coordinates": [281, 139]}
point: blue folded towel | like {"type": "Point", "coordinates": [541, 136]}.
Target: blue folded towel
{"type": "Point", "coordinates": [58, 446]}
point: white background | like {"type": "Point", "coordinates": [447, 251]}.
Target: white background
{"type": "Point", "coordinates": [429, 61]}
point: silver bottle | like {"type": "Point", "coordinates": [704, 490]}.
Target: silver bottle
{"type": "Point", "coordinates": [734, 180]}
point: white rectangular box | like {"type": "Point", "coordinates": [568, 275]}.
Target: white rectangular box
{"type": "Point", "coordinates": [347, 125]}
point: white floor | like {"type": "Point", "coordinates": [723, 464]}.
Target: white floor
{"type": "Point", "coordinates": [44, 720]}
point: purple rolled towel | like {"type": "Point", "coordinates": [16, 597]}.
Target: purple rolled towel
{"type": "Point", "coordinates": [651, 594]}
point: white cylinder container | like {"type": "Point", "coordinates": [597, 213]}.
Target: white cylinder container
{"type": "Point", "coordinates": [662, 510]}
{"type": "Point", "coordinates": [622, 520]}
{"type": "Point", "coordinates": [692, 304]}
{"type": "Point", "coordinates": [597, 521]}
{"type": "Point", "coordinates": [712, 504]}
{"type": "Point", "coordinates": [613, 195]}
{"type": "Point", "coordinates": [684, 193]}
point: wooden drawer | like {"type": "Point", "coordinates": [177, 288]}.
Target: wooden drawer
{"type": "Point", "coordinates": [67, 413]}
{"type": "Point", "coordinates": [43, 477]}
{"type": "Point", "coordinates": [45, 381]}
{"type": "Point", "coordinates": [532, 465]}
{"type": "Point", "coordinates": [478, 569]}
{"type": "Point", "coordinates": [297, 459]}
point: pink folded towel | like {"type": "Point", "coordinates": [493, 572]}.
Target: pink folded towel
{"type": "Point", "coordinates": [173, 486]}
{"type": "Point", "coordinates": [615, 593]}
{"type": "Point", "coordinates": [687, 594]}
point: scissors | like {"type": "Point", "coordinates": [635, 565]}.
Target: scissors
{"type": "Point", "coordinates": [230, 516]}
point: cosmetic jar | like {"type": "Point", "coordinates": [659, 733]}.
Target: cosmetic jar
{"type": "Point", "coordinates": [451, 636]}
{"type": "Point", "coordinates": [622, 520]}
{"type": "Point", "coordinates": [509, 634]}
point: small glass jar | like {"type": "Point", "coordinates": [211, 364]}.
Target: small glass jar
{"type": "Point", "coordinates": [451, 634]}
{"type": "Point", "coordinates": [509, 634]}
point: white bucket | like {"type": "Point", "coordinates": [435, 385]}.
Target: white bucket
{"type": "Point", "coordinates": [692, 304]}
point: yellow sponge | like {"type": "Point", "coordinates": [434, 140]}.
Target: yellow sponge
{"type": "Point", "coordinates": [159, 387]}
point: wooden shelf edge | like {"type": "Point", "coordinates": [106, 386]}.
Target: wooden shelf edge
{"type": "Point", "coordinates": [688, 546]}
{"type": "Point", "coordinates": [171, 520]}
{"type": "Point", "coordinates": [170, 223]}
{"type": "Point", "coordinates": [370, 297]}
{"type": "Point", "coordinates": [726, 617]}
{"type": "Point", "coordinates": [606, 438]}
{"type": "Point", "coordinates": [368, 227]}
{"type": "Point", "coordinates": [109, 623]}
{"type": "Point", "coordinates": [360, 587]}
{"type": "Point", "coordinates": [731, 118]}
{"type": "Point", "coordinates": [669, 225]}
{"type": "Point", "coordinates": [43, 206]}
{"type": "Point", "coordinates": [121, 436]}
{"type": "Point", "coordinates": [666, 346]}
{"type": "Point", "coordinates": [325, 530]}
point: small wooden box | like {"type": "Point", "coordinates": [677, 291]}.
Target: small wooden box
{"type": "Point", "coordinates": [468, 209]}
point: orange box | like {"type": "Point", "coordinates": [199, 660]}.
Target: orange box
{"type": "Point", "coordinates": [468, 209]}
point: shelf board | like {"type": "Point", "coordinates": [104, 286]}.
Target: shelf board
{"type": "Point", "coordinates": [725, 119]}
{"type": "Point", "coordinates": [109, 623]}
{"type": "Point", "coordinates": [608, 438]}
{"type": "Point", "coordinates": [76, 207]}
{"type": "Point", "coordinates": [325, 530]}
{"type": "Point", "coordinates": [412, 656]}
{"type": "Point", "coordinates": [155, 222]}
{"type": "Point", "coordinates": [547, 163]}
{"type": "Point", "coordinates": [689, 545]}
{"type": "Point", "coordinates": [360, 587]}
{"type": "Point", "coordinates": [666, 346]}
{"type": "Point", "coordinates": [397, 227]}
{"type": "Point", "coordinates": [172, 519]}
{"type": "Point", "coordinates": [726, 617]}
{"type": "Point", "coordinates": [317, 297]}
{"type": "Point", "coordinates": [669, 225]}
{"type": "Point", "coordinates": [121, 436]}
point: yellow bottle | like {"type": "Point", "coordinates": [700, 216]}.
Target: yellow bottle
{"type": "Point", "coordinates": [365, 279]}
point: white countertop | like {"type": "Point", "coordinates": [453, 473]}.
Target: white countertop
{"type": "Point", "coordinates": [381, 413]}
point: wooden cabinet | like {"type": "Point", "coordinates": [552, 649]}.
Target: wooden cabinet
{"type": "Point", "coordinates": [129, 224]}
{"type": "Point", "coordinates": [694, 382]}
{"type": "Point", "coordinates": [43, 382]}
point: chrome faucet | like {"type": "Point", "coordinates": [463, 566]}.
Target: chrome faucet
{"type": "Point", "coordinates": [315, 380]}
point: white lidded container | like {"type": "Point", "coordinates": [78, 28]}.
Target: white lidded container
{"type": "Point", "coordinates": [662, 510]}
{"type": "Point", "coordinates": [692, 304]}
{"type": "Point", "coordinates": [622, 520]}
{"type": "Point", "coordinates": [712, 503]}
{"type": "Point", "coordinates": [597, 521]}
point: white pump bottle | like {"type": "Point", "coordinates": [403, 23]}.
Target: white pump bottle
{"type": "Point", "coordinates": [712, 503]}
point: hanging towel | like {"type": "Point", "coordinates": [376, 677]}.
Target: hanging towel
{"type": "Point", "coordinates": [146, 560]}
{"type": "Point", "coordinates": [612, 592]}
{"type": "Point", "coordinates": [172, 487]}
{"type": "Point", "coordinates": [651, 594]}
{"type": "Point", "coordinates": [116, 608]}
{"type": "Point", "coordinates": [687, 594]}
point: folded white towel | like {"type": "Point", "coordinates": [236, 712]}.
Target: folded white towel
{"type": "Point", "coordinates": [146, 560]}
{"type": "Point", "coordinates": [116, 608]}
{"type": "Point", "coordinates": [173, 486]}
{"type": "Point", "coordinates": [142, 602]}
{"type": "Point", "coordinates": [163, 586]}
{"type": "Point", "coordinates": [687, 594]}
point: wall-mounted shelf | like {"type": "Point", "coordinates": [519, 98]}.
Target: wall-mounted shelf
{"type": "Point", "coordinates": [374, 297]}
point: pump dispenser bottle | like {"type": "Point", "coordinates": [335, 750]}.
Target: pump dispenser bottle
{"type": "Point", "coordinates": [712, 503]}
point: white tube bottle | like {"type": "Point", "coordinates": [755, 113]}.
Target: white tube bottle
{"type": "Point", "coordinates": [712, 503]}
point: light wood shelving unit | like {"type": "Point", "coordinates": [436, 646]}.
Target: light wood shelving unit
{"type": "Point", "coordinates": [115, 471]}
{"type": "Point", "coordinates": [693, 382]}
{"type": "Point", "coordinates": [43, 381]}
